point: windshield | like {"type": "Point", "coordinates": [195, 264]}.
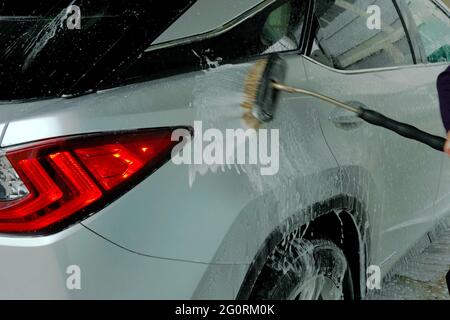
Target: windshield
{"type": "Point", "coordinates": [49, 48]}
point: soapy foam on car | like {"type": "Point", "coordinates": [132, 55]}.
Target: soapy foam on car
{"type": "Point", "coordinates": [218, 94]}
{"type": "Point", "coordinates": [38, 41]}
{"type": "Point", "coordinates": [217, 97]}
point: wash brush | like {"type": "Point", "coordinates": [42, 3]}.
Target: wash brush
{"type": "Point", "coordinates": [265, 80]}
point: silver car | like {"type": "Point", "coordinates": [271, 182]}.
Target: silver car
{"type": "Point", "coordinates": [92, 204]}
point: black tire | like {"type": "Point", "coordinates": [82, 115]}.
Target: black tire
{"type": "Point", "coordinates": [305, 270]}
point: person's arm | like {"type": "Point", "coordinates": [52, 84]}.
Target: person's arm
{"type": "Point", "coordinates": [443, 86]}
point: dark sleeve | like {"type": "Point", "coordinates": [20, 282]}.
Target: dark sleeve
{"type": "Point", "coordinates": [443, 86]}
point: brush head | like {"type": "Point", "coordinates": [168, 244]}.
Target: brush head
{"type": "Point", "coordinates": [260, 95]}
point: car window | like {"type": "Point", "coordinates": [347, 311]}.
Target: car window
{"type": "Point", "coordinates": [434, 29]}
{"type": "Point", "coordinates": [275, 28]}
{"type": "Point", "coordinates": [346, 38]}
{"type": "Point", "coordinates": [41, 55]}
{"type": "Point", "coordinates": [220, 13]}
{"type": "Point", "coordinates": [281, 30]}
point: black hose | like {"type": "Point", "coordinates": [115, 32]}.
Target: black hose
{"type": "Point", "coordinates": [403, 129]}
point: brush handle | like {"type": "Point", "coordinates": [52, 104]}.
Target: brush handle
{"type": "Point", "coordinates": [403, 129]}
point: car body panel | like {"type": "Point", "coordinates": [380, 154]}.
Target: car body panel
{"type": "Point", "coordinates": [400, 167]}
{"type": "Point", "coordinates": [106, 271]}
{"type": "Point", "coordinates": [103, 111]}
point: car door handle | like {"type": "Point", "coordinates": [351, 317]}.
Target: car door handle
{"type": "Point", "coordinates": [375, 118]}
{"type": "Point", "coordinates": [347, 120]}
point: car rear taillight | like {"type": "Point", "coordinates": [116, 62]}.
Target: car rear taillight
{"type": "Point", "coordinates": [48, 185]}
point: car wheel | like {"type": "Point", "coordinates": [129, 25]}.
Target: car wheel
{"type": "Point", "coordinates": [305, 270]}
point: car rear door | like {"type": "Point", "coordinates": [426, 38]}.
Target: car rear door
{"type": "Point", "coordinates": [362, 54]}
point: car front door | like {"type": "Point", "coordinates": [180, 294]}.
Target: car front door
{"type": "Point", "coordinates": [362, 54]}
{"type": "Point", "coordinates": [431, 25]}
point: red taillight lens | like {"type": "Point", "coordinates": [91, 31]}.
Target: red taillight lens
{"type": "Point", "coordinates": [63, 180]}
{"type": "Point", "coordinates": [113, 163]}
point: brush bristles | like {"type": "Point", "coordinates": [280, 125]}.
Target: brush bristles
{"type": "Point", "coordinates": [251, 121]}
{"type": "Point", "coordinates": [251, 87]}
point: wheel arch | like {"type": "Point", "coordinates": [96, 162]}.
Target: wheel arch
{"type": "Point", "coordinates": [341, 219]}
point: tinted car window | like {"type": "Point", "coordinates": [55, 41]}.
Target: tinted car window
{"type": "Point", "coordinates": [275, 28]}
{"type": "Point", "coordinates": [344, 41]}
{"type": "Point", "coordinates": [434, 29]}
{"type": "Point", "coordinates": [40, 56]}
